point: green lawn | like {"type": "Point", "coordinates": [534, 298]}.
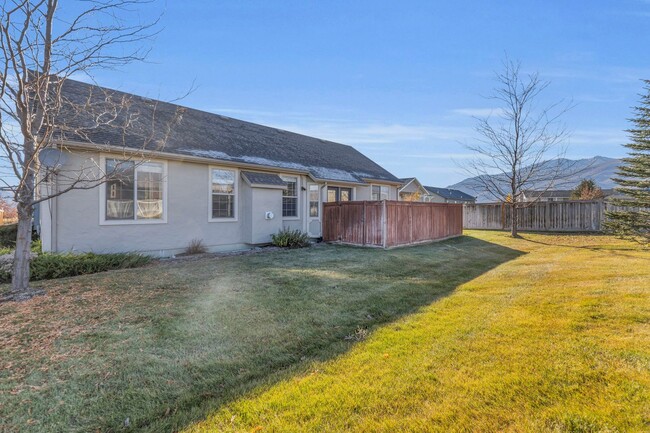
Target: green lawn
{"type": "Point", "coordinates": [480, 333]}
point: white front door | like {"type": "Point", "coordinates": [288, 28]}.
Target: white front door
{"type": "Point", "coordinates": [314, 210]}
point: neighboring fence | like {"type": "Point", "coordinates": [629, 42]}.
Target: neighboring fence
{"type": "Point", "coordinates": [573, 216]}
{"type": "Point", "coordinates": [390, 223]}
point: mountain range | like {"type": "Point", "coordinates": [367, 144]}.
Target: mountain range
{"type": "Point", "coordinates": [599, 168]}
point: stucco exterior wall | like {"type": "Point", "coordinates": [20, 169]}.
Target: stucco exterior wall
{"type": "Point", "coordinates": [77, 227]}
{"type": "Point", "coordinates": [264, 200]}
{"type": "Point", "coordinates": [72, 221]}
{"type": "Point", "coordinates": [435, 198]}
{"type": "Point", "coordinates": [364, 192]}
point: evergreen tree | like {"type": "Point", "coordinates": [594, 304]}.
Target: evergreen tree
{"type": "Point", "coordinates": [587, 190]}
{"type": "Point", "coordinates": [633, 221]}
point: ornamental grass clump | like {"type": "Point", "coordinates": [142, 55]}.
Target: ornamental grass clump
{"type": "Point", "coordinates": [196, 246]}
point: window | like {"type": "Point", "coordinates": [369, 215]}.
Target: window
{"type": "Point", "coordinates": [149, 181]}
{"type": "Point", "coordinates": [332, 194]}
{"type": "Point", "coordinates": [222, 194]}
{"type": "Point", "coordinates": [290, 197]}
{"type": "Point", "coordinates": [134, 191]}
{"type": "Point", "coordinates": [313, 200]}
{"type": "Point", "coordinates": [379, 192]}
{"type": "Point", "coordinates": [335, 193]}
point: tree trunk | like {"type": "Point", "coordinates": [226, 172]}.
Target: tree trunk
{"type": "Point", "coordinates": [514, 220]}
{"type": "Point", "coordinates": [20, 279]}
{"type": "Point", "coordinates": [24, 204]}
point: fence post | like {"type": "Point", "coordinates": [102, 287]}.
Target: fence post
{"type": "Point", "coordinates": [547, 215]}
{"type": "Point", "coordinates": [363, 223]}
{"type": "Point", "coordinates": [384, 224]}
{"type": "Point", "coordinates": [410, 208]}
{"type": "Point", "coordinates": [339, 223]}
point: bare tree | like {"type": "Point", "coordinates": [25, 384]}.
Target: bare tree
{"type": "Point", "coordinates": [40, 49]}
{"type": "Point", "coordinates": [520, 147]}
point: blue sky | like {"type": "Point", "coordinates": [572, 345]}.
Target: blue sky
{"type": "Point", "coordinates": [400, 81]}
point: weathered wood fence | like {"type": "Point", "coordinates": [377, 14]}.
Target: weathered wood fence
{"type": "Point", "coordinates": [570, 216]}
{"type": "Point", "coordinates": [390, 223]}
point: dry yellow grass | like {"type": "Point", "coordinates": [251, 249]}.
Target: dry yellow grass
{"type": "Point", "coordinates": [482, 333]}
{"type": "Point", "coordinates": [556, 340]}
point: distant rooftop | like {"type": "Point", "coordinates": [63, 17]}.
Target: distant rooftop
{"type": "Point", "coordinates": [450, 194]}
{"type": "Point", "coordinates": [561, 193]}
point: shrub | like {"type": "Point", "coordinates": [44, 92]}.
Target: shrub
{"type": "Point", "coordinates": [196, 246]}
{"type": "Point", "coordinates": [287, 238]}
{"type": "Point", "coordinates": [8, 235]}
{"type": "Point", "coordinates": [49, 266]}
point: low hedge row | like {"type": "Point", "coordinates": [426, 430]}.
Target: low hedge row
{"type": "Point", "coordinates": [49, 266]}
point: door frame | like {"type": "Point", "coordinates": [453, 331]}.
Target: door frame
{"type": "Point", "coordinates": [318, 218]}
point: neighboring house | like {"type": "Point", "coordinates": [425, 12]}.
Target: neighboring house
{"type": "Point", "coordinates": [447, 195]}
{"type": "Point", "coordinates": [557, 195]}
{"type": "Point", "coordinates": [227, 182]}
{"type": "Point", "coordinates": [546, 196]}
{"type": "Point", "coordinates": [412, 190]}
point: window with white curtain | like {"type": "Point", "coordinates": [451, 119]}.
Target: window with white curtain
{"type": "Point", "coordinates": [134, 191]}
{"type": "Point", "coordinates": [314, 202]}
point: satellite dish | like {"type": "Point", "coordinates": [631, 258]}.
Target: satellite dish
{"type": "Point", "coordinates": [52, 158]}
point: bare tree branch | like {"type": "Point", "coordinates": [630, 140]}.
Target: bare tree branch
{"type": "Point", "coordinates": [520, 148]}
{"type": "Point", "coordinates": [39, 51]}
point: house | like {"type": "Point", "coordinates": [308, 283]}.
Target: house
{"type": "Point", "coordinates": [411, 190]}
{"type": "Point", "coordinates": [546, 196]}
{"type": "Point", "coordinates": [180, 174]}
{"type": "Point", "coordinates": [447, 195]}
{"type": "Point", "coordinates": [552, 195]}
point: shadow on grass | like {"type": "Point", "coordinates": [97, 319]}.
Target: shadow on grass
{"type": "Point", "coordinates": [194, 336]}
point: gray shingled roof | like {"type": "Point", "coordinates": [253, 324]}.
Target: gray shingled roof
{"type": "Point", "coordinates": [257, 178]}
{"type": "Point", "coordinates": [406, 179]}
{"type": "Point", "coordinates": [450, 194]}
{"type": "Point", "coordinates": [203, 134]}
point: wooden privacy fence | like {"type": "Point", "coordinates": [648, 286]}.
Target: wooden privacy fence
{"type": "Point", "coordinates": [573, 216]}
{"type": "Point", "coordinates": [390, 223]}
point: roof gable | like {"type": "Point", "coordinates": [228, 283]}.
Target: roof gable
{"type": "Point", "coordinates": [209, 135]}
{"type": "Point", "coordinates": [450, 194]}
{"type": "Point", "coordinates": [412, 185]}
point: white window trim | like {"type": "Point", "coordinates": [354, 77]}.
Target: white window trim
{"type": "Point", "coordinates": [380, 187]}
{"type": "Point", "coordinates": [102, 192]}
{"type": "Point", "coordinates": [298, 202]}
{"type": "Point", "coordinates": [236, 195]}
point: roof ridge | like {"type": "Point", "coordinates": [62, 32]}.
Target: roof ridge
{"type": "Point", "coordinates": [212, 135]}
{"type": "Point", "coordinates": [211, 113]}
